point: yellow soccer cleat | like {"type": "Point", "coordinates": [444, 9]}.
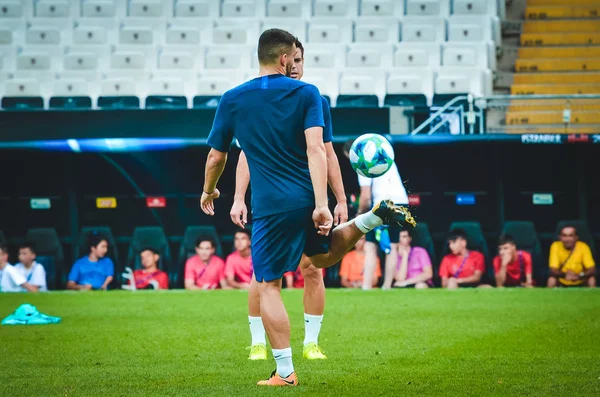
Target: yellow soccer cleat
{"type": "Point", "coordinates": [257, 352]}
{"type": "Point", "coordinates": [276, 380]}
{"type": "Point", "coordinates": [312, 351]}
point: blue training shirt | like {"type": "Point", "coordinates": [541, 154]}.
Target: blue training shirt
{"type": "Point", "coordinates": [268, 115]}
{"type": "Point", "coordinates": [85, 271]}
{"type": "Point", "coordinates": [328, 129]}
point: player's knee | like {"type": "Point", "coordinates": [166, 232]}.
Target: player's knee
{"type": "Point", "coordinates": [312, 274]}
{"type": "Point", "coordinates": [421, 286]}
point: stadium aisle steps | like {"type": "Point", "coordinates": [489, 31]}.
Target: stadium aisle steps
{"type": "Point", "coordinates": [559, 54]}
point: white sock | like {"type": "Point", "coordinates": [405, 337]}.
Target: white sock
{"type": "Point", "coordinates": [283, 358]}
{"type": "Point", "coordinates": [312, 327]}
{"type": "Point", "coordinates": [257, 330]}
{"type": "Point", "coordinates": [367, 221]}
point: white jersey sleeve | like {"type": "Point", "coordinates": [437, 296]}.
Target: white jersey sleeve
{"type": "Point", "coordinates": [14, 277]}
{"type": "Point", "coordinates": [38, 277]}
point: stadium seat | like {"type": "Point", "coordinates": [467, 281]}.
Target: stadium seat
{"type": "Point", "coordinates": [427, 7]}
{"type": "Point", "coordinates": [376, 30]}
{"type": "Point", "coordinates": [106, 232]}
{"type": "Point", "coordinates": [192, 9]}
{"type": "Point", "coordinates": [462, 81]}
{"type": "Point", "coordinates": [475, 55]}
{"type": "Point", "coordinates": [30, 60]}
{"type": "Point", "coordinates": [209, 90]}
{"type": "Point", "coordinates": [475, 239]}
{"type": "Point", "coordinates": [122, 59]}
{"type": "Point", "coordinates": [405, 100]}
{"type": "Point", "coordinates": [421, 237]}
{"type": "Point", "coordinates": [42, 36]}
{"type": "Point", "coordinates": [118, 102]}
{"type": "Point", "coordinates": [423, 29]}
{"type": "Point", "coordinates": [471, 29]}
{"type": "Point", "coordinates": [22, 103]}
{"type": "Point", "coordinates": [70, 102]}
{"type": "Point", "coordinates": [79, 60]}
{"type": "Point", "coordinates": [11, 9]}
{"type": "Point", "coordinates": [369, 55]}
{"type": "Point", "coordinates": [333, 8]}
{"type": "Point", "coordinates": [22, 94]}
{"type": "Point", "coordinates": [188, 247]}
{"type": "Point", "coordinates": [166, 102]}
{"type": "Point", "coordinates": [473, 7]}
{"type": "Point", "coordinates": [323, 56]}
{"type": "Point", "coordinates": [329, 30]}
{"type": "Point", "coordinates": [422, 55]}
{"type": "Point", "coordinates": [175, 60]}
{"type": "Point", "coordinates": [49, 253]}
{"type": "Point", "coordinates": [52, 9]}
{"type": "Point", "coordinates": [118, 87]}
{"type": "Point", "coordinates": [284, 8]}
{"type": "Point", "coordinates": [409, 87]}
{"type": "Point", "coordinates": [583, 231]}
{"type": "Point", "coordinates": [294, 26]}
{"type": "Point", "coordinates": [99, 9]}
{"type": "Point", "coordinates": [136, 35]}
{"type": "Point", "coordinates": [380, 8]}
{"type": "Point", "coordinates": [145, 8]}
{"type": "Point", "coordinates": [86, 35]}
{"type": "Point", "coordinates": [357, 101]}
{"type": "Point", "coordinates": [225, 58]}
{"type": "Point", "coordinates": [152, 237]}
{"type": "Point", "coordinates": [179, 35]}
{"type": "Point", "coordinates": [238, 8]}
{"type": "Point", "coordinates": [526, 239]}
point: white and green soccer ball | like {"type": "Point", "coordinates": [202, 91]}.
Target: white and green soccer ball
{"type": "Point", "coordinates": [371, 155]}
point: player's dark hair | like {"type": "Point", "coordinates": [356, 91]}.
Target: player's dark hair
{"type": "Point", "coordinates": [29, 245]}
{"type": "Point", "coordinates": [348, 145]}
{"type": "Point", "coordinates": [94, 240]}
{"type": "Point", "coordinates": [506, 239]}
{"type": "Point", "coordinates": [155, 252]}
{"type": "Point", "coordinates": [202, 239]}
{"type": "Point", "coordinates": [569, 227]}
{"type": "Point", "coordinates": [243, 231]}
{"type": "Point", "coordinates": [272, 44]}
{"type": "Point", "coordinates": [300, 46]}
{"type": "Point", "coordinates": [3, 248]}
{"type": "Point", "coordinates": [457, 233]}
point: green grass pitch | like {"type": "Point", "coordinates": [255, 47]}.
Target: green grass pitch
{"type": "Point", "coordinates": [380, 343]}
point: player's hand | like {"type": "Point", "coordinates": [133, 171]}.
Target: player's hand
{"type": "Point", "coordinates": [239, 213]}
{"type": "Point", "coordinates": [340, 213]}
{"type": "Point", "coordinates": [323, 220]}
{"type": "Point", "coordinates": [206, 202]}
{"type": "Point", "coordinates": [86, 287]}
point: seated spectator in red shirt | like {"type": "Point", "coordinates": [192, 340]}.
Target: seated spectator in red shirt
{"type": "Point", "coordinates": [414, 265]}
{"type": "Point", "coordinates": [150, 277]}
{"type": "Point", "coordinates": [461, 267]}
{"type": "Point", "coordinates": [238, 266]}
{"type": "Point", "coordinates": [512, 267]}
{"type": "Point", "coordinates": [205, 270]}
{"type": "Point", "coordinates": [353, 266]}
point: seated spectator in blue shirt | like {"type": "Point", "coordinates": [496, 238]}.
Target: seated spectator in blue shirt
{"type": "Point", "coordinates": [93, 271]}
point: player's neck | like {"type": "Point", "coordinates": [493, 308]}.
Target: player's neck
{"type": "Point", "coordinates": [93, 258]}
{"type": "Point", "coordinates": [245, 253]}
{"type": "Point", "coordinates": [266, 70]}
{"type": "Point", "coordinates": [464, 252]}
{"type": "Point", "coordinates": [206, 262]}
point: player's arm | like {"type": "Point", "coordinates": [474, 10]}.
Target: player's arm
{"type": "Point", "coordinates": [475, 278]}
{"type": "Point", "coordinates": [501, 273]}
{"type": "Point", "coordinates": [444, 282]}
{"type": "Point", "coordinates": [190, 284]}
{"type": "Point", "coordinates": [234, 284]}
{"type": "Point", "coordinates": [30, 287]}
{"type": "Point", "coordinates": [426, 275]}
{"type": "Point", "coordinates": [239, 211]}
{"type": "Point", "coordinates": [317, 164]}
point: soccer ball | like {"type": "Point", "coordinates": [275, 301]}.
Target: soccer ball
{"type": "Point", "coordinates": [371, 155]}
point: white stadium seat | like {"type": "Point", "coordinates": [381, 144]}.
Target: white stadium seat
{"type": "Point", "coordinates": [213, 85]}
{"type": "Point", "coordinates": [380, 8]}
{"type": "Point", "coordinates": [328, 30]}
{"type": "Point", "coordinates": [334, 8]}
{"type": "Point", "coordinates": [22, 87]}
{"type": "Point", "coordinates": [411, 81]}
{"type": "Point", "coordinates": [145, 8]}
{"type": "Point", "coordinates": [99, 9]}
{"type": "Point", "coordinates": [6, 36]}
{"type": "Point", "coordinates": [33, 61]}
{"type": "Point", "coordinates": [118, 87]}
{"type": "Point", "coordinates": [192, 9]}
{"type": "Point", "coordinates": [427, 7]}
{"type": "Point", "coordinates": [327, 81]}
{"type": "Point", "coordinates": [136, 35]}
{"type": "Point", "coordinates": [170, 86]}
{"type": "Point", "coordinates": [238, 8]}
{"type": "Point", "coordinates": [423, 29]}
{"type": "Point", "coordinates": [376, 30]}
{"type": "Point", "coordinates": [227, 57]}
{"type": "Point", "coordinates": [123, 59]}
{"type": "Point", "coordinates": [460, 81]}
{"type": "Point", "coordinates": [360, 82]}
{"type": "Point", "coordinates": [70, 87]}
{"type": "Point", "coordinates": [475, 7]}
{"type": "Point", "coordinates": [417, 55]}
{"type": "Point", "coordinates": [472, 28]}
{"type": "Point", "coordinates": [53, 9]}
{"type": "Point", "coordinates": [10, 9]}
{"type": "Point", "coordinates": [285, 8]}
{"type": "Point", "coordinates": [175, 60]}
{"type": "Point", "coordinates": [468, 55]}
{"type": "Point", "coordinates": [42, 35]}
{"type": "Point", "coordinates": [80, 61]}
{"type": "Point", "coordinates": [83, 35]}
{"type": "Point", "coordinates": [235, 31]}
{"type": "Point", "coordinates": [182, 36]}
{"type": "Point", "coordinates": [324, 56]}
{"type": "Point", "coordinates": [294, 26]}
{"type": "Point", "coordinates": [369, 55]}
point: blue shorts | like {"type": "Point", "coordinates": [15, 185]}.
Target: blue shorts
{"type": "Point", "coordinates": [279, 240]}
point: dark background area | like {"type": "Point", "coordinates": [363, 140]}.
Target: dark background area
{"type": "Point", "coordinates": [502, 175]}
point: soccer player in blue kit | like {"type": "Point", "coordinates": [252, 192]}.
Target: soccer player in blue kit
{"type": "Point", "coordinates": [279, 124]}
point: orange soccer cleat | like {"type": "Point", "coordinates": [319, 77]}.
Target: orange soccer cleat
{"type": "Point", "coordinates": [276, 380]}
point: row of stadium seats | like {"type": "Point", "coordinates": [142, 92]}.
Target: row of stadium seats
{"type": "Point", "coordinates": [401, 87]}
{"type": "Point", "coordinates": [140, 33]}
{"type": "Point", "coordinates": [188, 9]}
{"type": "Point", "coordinates": [50, 251]}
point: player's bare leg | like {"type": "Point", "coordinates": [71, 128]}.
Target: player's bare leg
{"type": "Point", "coordinates": [370, 264]}
{"type": "Point", "coordinates": [345, 236]}
{"type": "Point", "coordinates": [391, 260]}
{"type": "Point", "coordinates": [314, 306]}
{"type": "Point", "coordinates": [258, 348]}
{"type": "Point", "coordinates": [277, 325]}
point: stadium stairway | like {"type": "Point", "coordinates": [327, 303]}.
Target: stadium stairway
{"type": "Point", "coordinates": [559, 54]}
